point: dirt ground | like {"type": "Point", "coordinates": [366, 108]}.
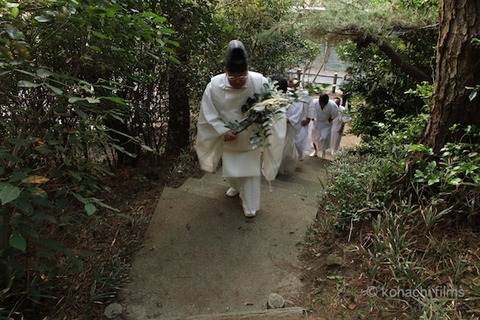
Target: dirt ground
{"type": "Point", "coordinates": [334, 284]}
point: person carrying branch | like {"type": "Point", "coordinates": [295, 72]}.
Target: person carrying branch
{"type": "Point", "coordinates": [221, 106]}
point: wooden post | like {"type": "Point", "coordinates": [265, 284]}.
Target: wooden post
{"type": "Point", "coordinates": [335, 77]}
{"type": "Point", "coordinates": [299, 74]}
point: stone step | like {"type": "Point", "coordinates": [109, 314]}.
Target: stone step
{"type": "Point", "coordinates": [290, 313]}
{"type": "Point", "coordinates": [200, 255]}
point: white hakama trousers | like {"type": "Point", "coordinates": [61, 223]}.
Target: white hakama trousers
{"type": "Point", "coordinates": [243, 173]}
{"type": "Point", "coordinates": [249, 188]}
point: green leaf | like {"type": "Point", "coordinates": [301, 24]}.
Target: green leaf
{"type": "Point", "coordinates": [95, 48]}
{"type": "Point", "coordinates": [106, 206]}
{"type": "Point", "coordinates": [42, 18]}
{"type": "Point", "coordinates": [93, 100]}
{"type": "Point", "coordinates": [167, 31]}
{"type": "Point", "coordinates": [99, 35]}
{"type": "Point", "coordinates": [75, 99]}
{"type": "Point", "coordinates": [90, 208]}
{"type": "Point", "coordinates": [75, 175]}
{"type": "Point", "coordinates": [8, 193]}
{"type": "Point", "coordinates": [174, 60]}
{"type": "Point", "coordinates": [55, 89]}
{"type": "Point", "coordinates": [18, 241]}
{"type": "Point", "coordinates": [121, 149]}
{"type": "Point", "coordinates": [80, 113]}
{"type": "Point", "coordinates": [455, 181]}
{"type": "Point", "coordinates": [115, 99]}
{"type": "Point", "coordinates": [147, 148]}
{"type": "Point", "coordinates": [27, 84]}
{"type": "Point", "coordinates": [13, 32]}
{"type": "Point", "coordinates": [29, 230]}
{"type": "Point", "coordinates": [43, 73]}
{"type": "Point", "coordinates": [2, 170]}
{"type": "Point", "coordinates": [159, 19]}
{"type": "Point", "coordinates": [15, 11]}
{"type": "Point", "coordinates": [473, 95]}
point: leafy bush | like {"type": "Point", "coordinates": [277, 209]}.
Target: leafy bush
{"type": "Point", "coordinates": [358, 188]}
{"type": "Point", "coordinates": [424, 224]}
{"type": "Point", "coordinates": [454, 175]}
{"type": "Point", "coordinates": [63, 77]}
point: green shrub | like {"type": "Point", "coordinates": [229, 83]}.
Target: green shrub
{"type": "Point", "coordinates": [358, 188]}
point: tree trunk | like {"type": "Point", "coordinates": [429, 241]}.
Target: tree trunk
{"type": "Point", "coordinates": [178, 135]}
{"type": "Point", "coordinates": [456, 70]}
{"type": "Point", "coordinates": [4, 244]}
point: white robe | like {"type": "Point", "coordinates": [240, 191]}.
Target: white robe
{"type": "Point", "coordinates": [290, 155]}
{"type": "Point", "coordinates": [337, 124]}
{"type": "Point", "coordinates": [300, 113]}
{"type": "Point", "coordinates": [322, 127]}
{"type": "Point", "coordinates": [220, 105]}
{"type": "Point", "coordinates": [296, 141]}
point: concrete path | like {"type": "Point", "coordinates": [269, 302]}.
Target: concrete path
{"type": "Point", "coordinates": [201, 257]}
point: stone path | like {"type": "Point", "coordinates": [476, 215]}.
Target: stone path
{"type": "Point", "coordinates": [201, 259]}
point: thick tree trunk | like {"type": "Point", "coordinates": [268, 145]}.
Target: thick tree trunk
{"type": "Point", "coordinates": [456, 70]}
{"type": "Point", "coordinates": [178, 135]}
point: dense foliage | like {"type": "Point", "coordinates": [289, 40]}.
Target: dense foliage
{"type": "Point", "coordinates": [416, 221]}
{"type": "Point", "coordinates": [377, 84]}
{"type": "Point", "coordinates": [64, 84]}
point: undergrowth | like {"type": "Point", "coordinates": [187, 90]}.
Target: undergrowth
{"type": "Point", "coordinates": [415, 216]}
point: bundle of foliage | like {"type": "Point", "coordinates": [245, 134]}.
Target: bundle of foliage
{"type": "Point", "coordinates": [261, 111]}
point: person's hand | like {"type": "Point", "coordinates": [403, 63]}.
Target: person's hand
{"type": "Point", "coordinates": [229, 136]}
{"type": "Point", "coordinates": [305, 122]}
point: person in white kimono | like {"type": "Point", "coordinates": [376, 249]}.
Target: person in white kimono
{"type": "Point", "coordinates": [289, 158]}
{"type": "Point", "coordinates": [338, 125]}
{"type": "Point", "coordinates": [221, 104]}
{"type": "Point", "coordinates": [297, 115]}
{"type": "Point", "coordinates": [323, 111]}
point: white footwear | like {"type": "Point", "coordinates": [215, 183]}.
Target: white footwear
{"type": "Point", "coordinates": [232, 192]}
{"type": "Point", "coordinates": [313, 154]}
{"type": "Point", "coordinates": [249, 214]}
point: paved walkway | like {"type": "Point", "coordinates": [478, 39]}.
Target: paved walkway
{"type": "Point", "coordinates": [202, 259]}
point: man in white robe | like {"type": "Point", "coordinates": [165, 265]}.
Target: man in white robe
{"type": "Point", "coordinates": [296, 139]}
{"type": "Point", "coordinates": [300, 120]}
{"type": "Point", "coordinates": [323, 111]}
{"type": "Point", "coordinates": [338, 125]}
{"type": "Point", "coordinates": [221, 104]}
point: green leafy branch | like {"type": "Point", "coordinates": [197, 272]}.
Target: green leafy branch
{"type": "Point", "coordinates": [261, 110]}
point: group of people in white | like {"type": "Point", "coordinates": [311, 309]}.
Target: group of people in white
{"type": "Point", "coordinates": [308, 121]}
{"type": "Point", "coordinates": [313, 125]}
